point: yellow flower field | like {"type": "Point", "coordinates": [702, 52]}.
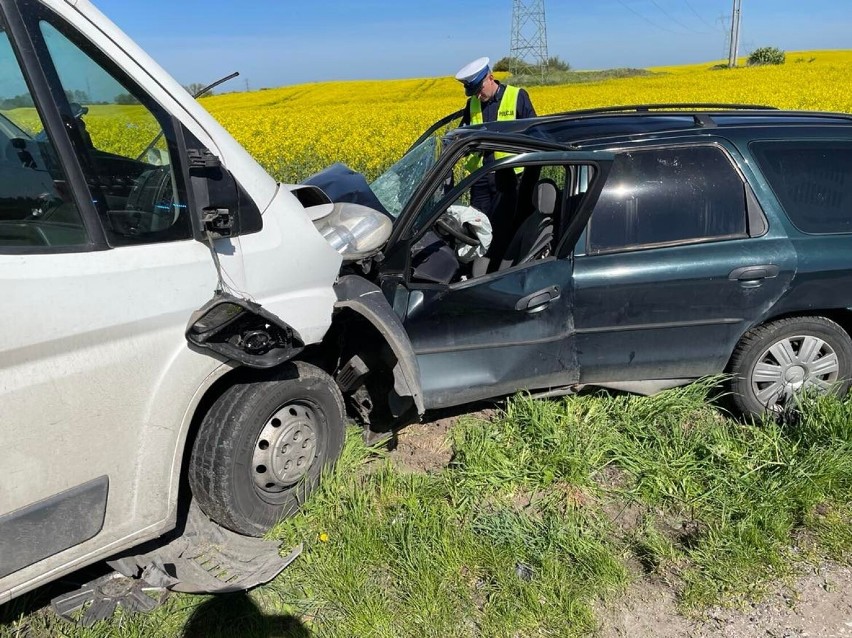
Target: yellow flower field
{"type": "Point", "coordinates": [294, 131]}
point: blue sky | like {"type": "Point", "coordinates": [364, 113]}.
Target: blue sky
{"type": "Point", "coordinates": [280, 42]}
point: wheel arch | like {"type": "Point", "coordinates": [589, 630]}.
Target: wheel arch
{"type": "Point", "coordinates": [368, 353]}
{"type": "Point", "coordinates": [363, 325]}
{"type": "Point", "coordinates": [840, 316]}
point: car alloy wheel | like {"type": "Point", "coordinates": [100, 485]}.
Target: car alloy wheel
{"type": "Point", "coordinates": [792, 365]}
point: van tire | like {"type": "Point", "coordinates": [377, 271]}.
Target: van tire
{"type": "Point", "coordinates": [262, 446]}
{"type": "Point", "coordinates": [831, 343]}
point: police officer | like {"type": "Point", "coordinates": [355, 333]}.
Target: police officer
{"type": "Point", "coordinates": [489, 101]}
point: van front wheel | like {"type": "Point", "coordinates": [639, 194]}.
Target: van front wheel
{"type": "Point", "coordinates": [262, 446]}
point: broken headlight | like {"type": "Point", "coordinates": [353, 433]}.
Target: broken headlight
{"type": "Point", "coordinates": [355, 231]}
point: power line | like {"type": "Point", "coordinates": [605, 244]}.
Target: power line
{"type": "Point", "coordinates": [529, 34]}
{"type": "Point", "coordinates": [735, 33]}
{"type": "Point", "coordinates": [697, 15]}
{"type": "Point", "coordinates": [652, 23]}
{"type": "Point", "coordinates": [726, 31]}
{"type": "Point", "coordinates": [673, 19]}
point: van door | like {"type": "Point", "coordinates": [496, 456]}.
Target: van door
{"type": "Point", "coordinates": [99, 273]}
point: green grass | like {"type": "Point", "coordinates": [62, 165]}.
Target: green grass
{"type": "Point", "coordinates": [543, 511]}
{"type": "Point", "coordinates": [553, 78]}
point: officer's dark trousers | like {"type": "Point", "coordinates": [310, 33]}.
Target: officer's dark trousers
{"type": "Point", "coordinates": [496, 195]}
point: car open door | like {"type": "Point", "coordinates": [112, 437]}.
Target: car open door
{"type": "Point", "coordinates": [510, 327]}
{"type": "Point", "coordinates": [451, 120]}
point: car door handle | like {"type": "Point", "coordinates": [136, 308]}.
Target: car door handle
{"type": "Point", "coordinates": [538, 300]}
{"type": "Point", "coordinates": [754, 273]}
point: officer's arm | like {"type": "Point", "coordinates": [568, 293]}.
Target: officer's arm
{"type": "Point", "coordinates": [465, 120]}
{"type": "Point", "coordinates": [525, 107]}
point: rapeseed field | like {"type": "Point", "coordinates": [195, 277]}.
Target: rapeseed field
{"type": "Point", "coordinates": [294, 131]}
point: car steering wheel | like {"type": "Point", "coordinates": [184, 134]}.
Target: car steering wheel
{"type": "Point", "coordinates": [458, 231]}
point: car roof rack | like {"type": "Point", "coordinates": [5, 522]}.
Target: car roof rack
{"type": "Point", "coordinates": [673, 106]}
{"type": "Point", "coordinates": [700, 112]}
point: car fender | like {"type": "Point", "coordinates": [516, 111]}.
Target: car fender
{"type": "Point", "coordinates": [366, 299]}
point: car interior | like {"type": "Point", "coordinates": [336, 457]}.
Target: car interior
{"type": "Point", "coordinates": [527, 225]}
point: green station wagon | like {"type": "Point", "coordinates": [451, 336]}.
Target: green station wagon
{"type": "Point", "coordinates": [648, 246]}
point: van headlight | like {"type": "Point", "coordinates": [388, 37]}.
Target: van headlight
{"type": "Point", "coordinates": [355, 231]}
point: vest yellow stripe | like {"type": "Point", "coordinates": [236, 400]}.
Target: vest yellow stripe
{"type": "Point", "coordinates": [506, 111]}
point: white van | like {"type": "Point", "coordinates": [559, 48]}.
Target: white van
{"type": "Point", "coordinates": [170, 313]}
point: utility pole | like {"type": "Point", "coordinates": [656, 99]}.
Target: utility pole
{"type": "Point", "coordinates": [735, 34]}
{"type": "Point", "coordinates": [529, 34]}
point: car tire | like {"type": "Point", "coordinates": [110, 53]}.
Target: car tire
{"type": "Point", "coordinates": [774, 362]}
{"type": "Point", "coordinates": [262, 446]}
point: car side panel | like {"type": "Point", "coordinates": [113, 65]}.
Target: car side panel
{"type": "Point", "coordinates": [473, 341]}
{"type": "Point", "coordinates": [671, 313]}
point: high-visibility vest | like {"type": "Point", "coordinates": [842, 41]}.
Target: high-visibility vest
{"type": "Point", "coordinates": [506, 111]}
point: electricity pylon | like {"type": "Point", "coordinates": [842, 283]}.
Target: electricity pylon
{"type": "Point", "coordinates": [529, 35]}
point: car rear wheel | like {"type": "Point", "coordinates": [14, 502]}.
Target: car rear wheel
{"type": "Point", "coordinates": [780, 360]}
{"type": "Point", "coordinates": [262, 446]}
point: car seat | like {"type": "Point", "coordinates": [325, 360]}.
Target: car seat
{"type": "Point", "coordinates": [534, 238]}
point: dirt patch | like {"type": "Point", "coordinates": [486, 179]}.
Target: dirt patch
{"type": "Point", "coordinates": [625, 516]}
{"type": "Point", "coordinates": [817, 604]}
{"type": "Point", "coordinates": [424, 447]}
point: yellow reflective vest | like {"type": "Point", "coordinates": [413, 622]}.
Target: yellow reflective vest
{"type": "Point", "coordinates": [506, 111]}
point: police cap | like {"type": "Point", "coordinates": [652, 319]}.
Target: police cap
{"type": "Point", "coordinates": [473, 75]}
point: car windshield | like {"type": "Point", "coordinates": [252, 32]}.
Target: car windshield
{"type": "Point", "coordinates": [396, 185]}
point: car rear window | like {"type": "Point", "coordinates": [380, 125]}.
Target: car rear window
{"type": "Point", "coordinates": [813, 181]}
{"type": "Point", "coordinates": [665, 196]}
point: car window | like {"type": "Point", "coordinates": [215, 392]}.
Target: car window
{"type": "Point", "coordinates": [36, 207]}
{"type": "Point", "coordinates": [126, 146]}
{"type": "Point", "coordinates": [812, 180]}
{"type": "Point", "coordinates": [521, 226]}
{"type": "Point", "coordinates": [665, 196]}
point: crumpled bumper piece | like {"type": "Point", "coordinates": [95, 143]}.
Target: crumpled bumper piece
{"type": "Point", "coordinates": [207, 559]}
{"type": "Point", "coordinates": [204, 559]}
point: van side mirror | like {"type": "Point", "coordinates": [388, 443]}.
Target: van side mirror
{"type": "Point", "coordinates": [243, 331]}
{"type": "Point", "coordinates": [223, 208]}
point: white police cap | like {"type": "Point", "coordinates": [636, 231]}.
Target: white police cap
{"type": "Point", "coordinates": [473, 75]}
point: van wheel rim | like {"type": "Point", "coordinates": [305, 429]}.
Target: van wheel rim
{"type": "Point", "coordinates": [792, 365]}
{"type": "Point", "coordinates": [286, 448]}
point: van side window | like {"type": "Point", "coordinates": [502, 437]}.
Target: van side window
{"type": "Point", "coordinates": [126, 145]}
{"type": "Point", "coordinates": [660, 197]}
{"type": "Point", "coordinates": [812, 180]}
{"type": "Point", "coordinates": [36, 206]}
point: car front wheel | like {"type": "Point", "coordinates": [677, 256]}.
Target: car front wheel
{"type": "Point", "coordinates": [780, 360]}
{"type": "Point", "coordinates": [262, 446]}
